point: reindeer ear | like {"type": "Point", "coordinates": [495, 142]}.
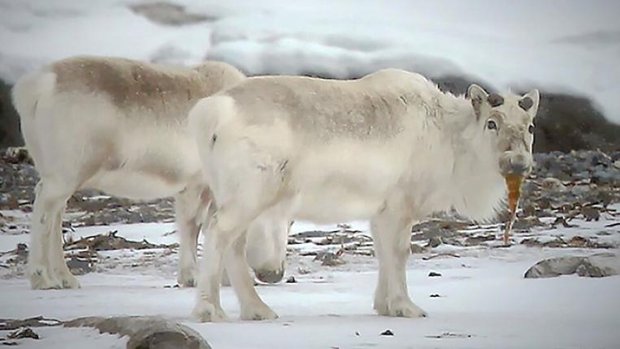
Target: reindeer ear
{"type": "Point", "coordinates": [529, 102]}
{"type": "Point", "coordinates": [477, 95]}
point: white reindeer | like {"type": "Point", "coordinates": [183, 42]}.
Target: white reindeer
{"type": "Point", "coordinates": [120, 126]}
{"type": "Point", "coordinates": [390, 147]}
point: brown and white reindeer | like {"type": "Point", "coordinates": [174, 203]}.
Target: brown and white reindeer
{"type": "Point", "coordinates": [120, 126]}
{"type": "Point", "coordinates": [390, 147]}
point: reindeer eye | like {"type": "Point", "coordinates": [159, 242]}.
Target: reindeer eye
{"type": "Point", "coordinates": [491, 125]}
{"type": "Point", "coordinates": [531, 129]}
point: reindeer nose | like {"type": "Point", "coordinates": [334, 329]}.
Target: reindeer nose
{"type": "Point", "coordinates": [518, 168]}
{"type": "Point", "coordinates": [514, 164]}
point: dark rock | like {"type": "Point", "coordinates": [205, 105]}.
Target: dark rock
{"type": "Point", "coordinates": [415, 249]}
{"type": "Point", "coordinates": [479, 239]}
{"type": "Point", "coordinates": [563, 122]}
{"type": "Point", "coordinates": [80, 266]}
{"type": "Point", "coordinates": [111, 242]}
{"type": "Point", "coordinates": [146, 332]}
{"type": "Point", "coordinates": [458, 85]}
{"type": "Point", "coordinates": [529, 242]}
{"type": "Point", "coordinates": [38, 321]}
{"type": "Point", "coordinates": [291, 280]}
{"type": "Point", "coordinates": [16, 155]}
{"type": "Point", "coordinates": [526, 223]}
{"type": "Point", "coordinates": [599, 265]}
{"type": "Point", "coordinates": [553, 184]}
{"type": "Point", "coordinates": [435, 295]}
{"type": "Point", "coordinates": [168, 14]}
{"type": "Point", "coordinates": [434, 274]}
{"type": "Point", "coordinates": [26, 332]}
{"type": "Point", "coordinates": [557, 242]}
{"type": "Point", "coordinates": [566, 123]}
{"type": "Point", "coordinates": [450, 335]}
{"type": "Point", "coordinates": [387, 333]}
{"type": "Point", "coordinates": [591, 213]}
{"type": "Point", "coordinates": [330, 259]}
{"type": "Point", "coordinates": [434, 242]}
{"type": "Point", "coordinates": [10, 134]}
{"type": "Point", "coordinates": [17, 256]}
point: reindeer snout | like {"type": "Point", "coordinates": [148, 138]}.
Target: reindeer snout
{"type": "Point", "coordinates": [270, 276]}
{"type": "Point", "coordinates": [515, 164]}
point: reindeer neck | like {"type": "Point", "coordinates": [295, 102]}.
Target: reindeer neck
{"type": "Point", "coordinates": [475, 182]}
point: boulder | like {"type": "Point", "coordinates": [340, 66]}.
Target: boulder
{"type": "Point", "coordinates": [10, 134]}
{"type": "Point", "coordinates": [563, 123]}
{"type": "Point", "coordinates": [598, 265]}
{"type": "Point", "coordinates": [146, 332]}
{"type": "Point", "coordinates": [166, 13]}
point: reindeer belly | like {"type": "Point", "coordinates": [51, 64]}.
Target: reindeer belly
{"type": "Point", "coordinates": [334, 204]}
{"type": "Point", "coordinates": [346, 181]}
{"type": "Point", "coordinates": [148, 167]}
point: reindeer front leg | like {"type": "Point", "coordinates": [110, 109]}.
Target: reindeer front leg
{"type": "Point", "coordinates": [225, 244]}
{"type": "Point", "coordinates": [391, 231]}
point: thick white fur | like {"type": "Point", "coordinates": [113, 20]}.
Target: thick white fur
{"type": "Point", "coordinates": [389, 147]}
{"type": "Point", "coordinates": [80, 137]}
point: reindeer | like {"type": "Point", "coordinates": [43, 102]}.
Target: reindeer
{"type": "Point", "coordinates": [120, 126]}
{"type": "Point", "coordinates": [389, 147]}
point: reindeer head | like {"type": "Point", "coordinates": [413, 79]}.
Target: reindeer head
{"type": "Point", "coordinates": [506, 123]}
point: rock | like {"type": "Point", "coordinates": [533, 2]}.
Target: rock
{"type": "Point", "coordinates": [434, 242]}
{"type": "Point", "coordinates": [435, 295]}
{"type": "Point", "coordinates": [168, 14]}
{"type": "Point", "coordinates": [80, 266]}
{"type": "Point", "coordinates": [433, 274]}
{"type": "Point", "coordinates": [10, 134]}
{"type": "Point", "coordinates": [553, 184]}
{"type": "Point", "coordinates": [563, 122]}
{"type": "Point", "coordinates": [111, 242]}
{"type": "Point", "coordinates": [526, 223]}
{"type": "Point", "coordinates": [566, 122]}
{"type": "Point", "coordinates": [15, 257]}
{"type": "Point", "coordinates": [599, 265]}
{"type": "Point", "coordinates": [26, 332]}
{"type": "Point", "coordinates": [387, 333]}
{"type": "Point", "coordinates": [330, 259]}
{"type": "Point", "coordinates": [16, 155]}
{"type": "Point", "coordinates": [145, 332]}
{"type": "Point", "coordinates": [38, 321]}
{"type": "Point", "coordinates": [415, 248]}
{"type": "Point", "coordinates": [291, 280]}
{"type": "Point", "coordinates": [617, 164]}
{"type": "Point", "coordinates": [591, 213]}
{"type": "Point", "coordinates": [479, 239]}
{"type": "Point", "coordinates": [450, 335]}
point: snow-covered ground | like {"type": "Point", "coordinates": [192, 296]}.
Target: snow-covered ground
{"type": "Point", "coordinates": [564, 46]}
{"type": "Point", "coordinates": [483, 300]}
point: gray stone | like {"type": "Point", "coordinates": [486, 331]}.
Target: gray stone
{"type": "Point", "coordinates": [415, 248]}
{"type": "Point", "coordinates": [434, 241]}
{"type": "Point", "coordinates": [168, 14]}
{"type": "Point", "coordinates": [330, 259]}
{"type": "Point", "coordinates": [599, 265]}
{"type": "Point", "coordinates": [146, 332]}
{"type": "Point", "coordinates": [10, 134]}
{"type": "Point", "coordinates": [553, 184]}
